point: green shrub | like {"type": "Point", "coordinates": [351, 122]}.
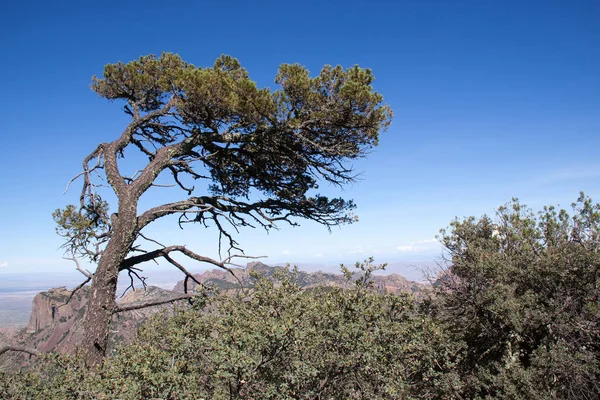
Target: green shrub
{"type": "Point", "coordinates": [277, 342]}
{"type": "Point", "coordinates": [522, 292]}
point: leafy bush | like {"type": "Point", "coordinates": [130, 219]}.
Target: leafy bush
{"type": "Point", "coordinates": [277, 342]}
{"type": "Point", "coordinates": [515, 316]}
{"type": "Point", "coordinates": [523, 293]}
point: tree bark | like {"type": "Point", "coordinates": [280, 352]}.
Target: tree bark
{"type": "Point", "coordinates": [102, 304]}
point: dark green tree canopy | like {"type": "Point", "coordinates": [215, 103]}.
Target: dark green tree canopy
{"type": "Point", "coordinates": [279, 142]}
{"type": "Point", "coordinates": [216, 124]}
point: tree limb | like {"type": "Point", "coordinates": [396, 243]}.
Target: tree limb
{"type": "Point", "coordinates": [156, 303]}
{"type": "Point", "coordinates": [86, 273]}
{"type": "Point", "coordinates": [132, 272]}
{"type": "Point", "coordinates": [188, 275]}
{"type": "Point", "coordinates": [131, 261]}
{"type": "Point", "coordinates": [82, 284]}
{"type": "Point", "coordinates": [5, 349]}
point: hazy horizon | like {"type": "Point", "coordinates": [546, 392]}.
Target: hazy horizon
{"type": "Point", "coordinates": [18, 288]}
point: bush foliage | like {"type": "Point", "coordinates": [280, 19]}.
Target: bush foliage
{"type": "Point", "coordinates": [515, 315]}
{"type": "Point", "coordinates": [523, 292]}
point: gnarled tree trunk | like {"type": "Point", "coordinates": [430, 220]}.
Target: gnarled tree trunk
{"type": "Point", "coordinates": [102, 304]}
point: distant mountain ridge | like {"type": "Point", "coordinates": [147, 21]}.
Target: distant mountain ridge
{"type": "Point", "coordinates": [56, 326]}
{"type": "Point", "coordinates": [223, 280]}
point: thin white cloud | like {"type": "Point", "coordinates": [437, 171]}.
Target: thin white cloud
{"type": "Point", "coordinates": [358, 250]}
{"type": "Point", "coordinates": [571, 174]}
{"type": "Point", "coordinates": [319, 255]}
{"type": "Point", "coordinates": [407, 248]}
{"type": "Point", "coordinates": [3, 264]}
{"type": "Point", "coordinates": [286, 252]}
{"type": "Point", "coordinates": [418, 246]}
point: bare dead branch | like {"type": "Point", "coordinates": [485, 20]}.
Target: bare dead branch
{"type": "Point", "coordinates": [164, 253]}
{"type": "Point", "coordinates": [150, 239]}
{"type": "Point", "coordinates": [185, 284]}
{"type": "Point", "coordinates": [81, 285]}
{"type": "Point", "coordinates": [157, 303]}
{"type": "Point", "coordinates": [228, 259]}
{"type": "Point", "coordinates": [131, 261]}
{"type": "Point", "coordinates": [86, 273]}
{"type": "Point", "coordinates": [87, 187]}
{"type": "Point", "coordinates": [5, 349]}
{"type": "Point", "coordinates": [85, 171]}
{"type": "Point", "coordinates": [188, 275]}
{"type": "Point", "coordinates": [132, 272]}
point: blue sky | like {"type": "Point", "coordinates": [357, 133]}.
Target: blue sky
{"type": "Point", "coordinates": [492, 100]}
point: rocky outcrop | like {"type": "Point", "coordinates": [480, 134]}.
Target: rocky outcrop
{"type": "Point", "coordinates": [216, 277]}
{"type": "Point", "coordinates": [397, 284]}
{"type": "Point", "coordinates": [56, 325]}
{"type": "Point", "coordinates": [52, 318]}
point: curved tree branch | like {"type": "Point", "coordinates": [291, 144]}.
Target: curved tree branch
{"type": "Point", "coordinates": [156, 303]}
{"type": "Point", "coordinates": [5, 349]}
{"type": "Point", "coordinates": [152, 255]}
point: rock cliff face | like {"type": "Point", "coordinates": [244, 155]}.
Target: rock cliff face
{"type": "Point", "coordinates": [397, 284]}
{"type": "Point", "coordinates": [56, 325]}
{"type": "Point", "coordinates": [52, 318]}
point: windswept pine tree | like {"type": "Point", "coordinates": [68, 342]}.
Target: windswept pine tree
{"type": "Point", "coordinates": [262, 152]}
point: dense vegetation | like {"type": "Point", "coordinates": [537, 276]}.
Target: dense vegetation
{"type": "Point", "coordinates": [515, 315]}
{"type": "Point", "coordinates": [523, 295]}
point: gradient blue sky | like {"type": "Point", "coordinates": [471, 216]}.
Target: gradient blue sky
{"type": "Point", "coordinates": [492, 100]}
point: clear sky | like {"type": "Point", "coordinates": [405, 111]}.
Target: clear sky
{"type": "Point", "coordinates": [492, 100]}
